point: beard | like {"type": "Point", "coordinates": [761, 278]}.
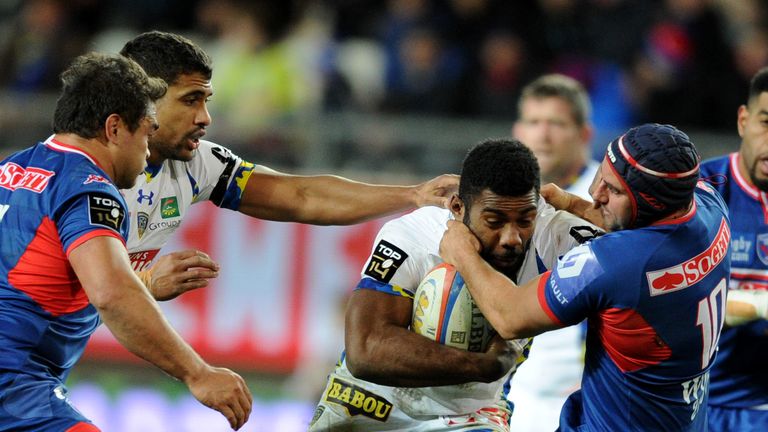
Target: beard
{"type": "Point", "coordinates": [761, 184]}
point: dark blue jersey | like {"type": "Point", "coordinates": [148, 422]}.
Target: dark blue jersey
{"type": "Point", "coordinates": [654, 298]}
{"type": "Point", "coordinates": [53, 198]}
{"type": "Point", "coordinates": [739, 377]}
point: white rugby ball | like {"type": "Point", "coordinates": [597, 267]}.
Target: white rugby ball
{"type": "Point", "coordinates": [444, 311]}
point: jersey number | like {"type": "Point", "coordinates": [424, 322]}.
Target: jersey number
{"type": "Point", "coordinates": [711, 317]}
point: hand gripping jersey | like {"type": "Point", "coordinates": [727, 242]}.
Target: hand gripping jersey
{"type": "Point", "coordinates": [403, 253]}
{"type": "Point", "coordinates": [739, 377]}
{"type": "Point", "coordinates": [52, 199]}
{"type": "Point", "coordinates": [163, 194]}
{"type": "Point", "coordinates": [553, 369]}
{"type": "Point", "coordinates": [654, 298]}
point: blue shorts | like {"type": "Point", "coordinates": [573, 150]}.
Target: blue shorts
{"type": "Point", "coordinates": [29, 403]}
{"type": "Point", "coordinates": [723, 419]}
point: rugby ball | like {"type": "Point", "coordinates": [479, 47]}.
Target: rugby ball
{"type": "Point", "coordinates": [444, 311]}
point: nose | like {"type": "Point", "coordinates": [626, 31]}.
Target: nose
{"type": "Point", "coordinates": [510, 237]}
{"type": "Point", "coordinates": [598, 192]}
{"type": "Point", "coordinates": [203, 117]}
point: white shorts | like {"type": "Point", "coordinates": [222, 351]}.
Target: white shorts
{"type": "Point", "coordinates": [356, 409]}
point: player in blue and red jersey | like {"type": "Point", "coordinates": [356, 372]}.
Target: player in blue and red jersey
{"type": "Point", "coordinates": [63, 262]}
{"type": "Point", "coordinates": [738, 399]}
{"type": "Point", "coordinates": [653, 289]}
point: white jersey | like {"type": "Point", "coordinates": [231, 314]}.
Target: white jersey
{"type": "Point", "coordinates": [404, 251]}
{"type": "Point", "coordinates": [556, 361]}
{"type": "Point", "coordinates": [162, 195]}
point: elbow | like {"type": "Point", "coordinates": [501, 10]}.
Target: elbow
{"type": "Point", "coordinates": [359, 364]}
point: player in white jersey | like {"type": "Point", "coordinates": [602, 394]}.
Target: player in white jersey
{"type": "Point", "coordinates": [553, 121]}
{"type": "Point", "coordinates": [183, 170]}
{"type": "Point", "coordinates": [389, 378]}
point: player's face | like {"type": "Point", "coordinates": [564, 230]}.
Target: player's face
{"type": "Point", "coordinates": [753, 129]}
{"type": "Point", "coordinates": [504, 225]}
{"type": "Point", "coordinates": [183, 117]}
{"type": "Point", "coordinates": [547, 127]}
{"type": "Point", "coordinates": [612, 198]}
{"type": "Point", "coordinates": [135, 147]}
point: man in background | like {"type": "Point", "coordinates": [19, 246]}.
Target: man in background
{"type": "Point", "coordinates": [553, 121]}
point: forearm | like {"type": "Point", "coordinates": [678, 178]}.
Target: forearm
{"type": "Point", "coordinates": [137, 323]}
{"type": "Point", "coordinates": [385, 360]}
{"type": "Point", "coordinates": [744, 306]}
{"type": "Point", "coordinates": [494, 294]}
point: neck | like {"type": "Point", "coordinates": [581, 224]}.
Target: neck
{"type": "Point", "coordinates": [94, 147]}
{"type": "Point", "coordinates": [678, 214]}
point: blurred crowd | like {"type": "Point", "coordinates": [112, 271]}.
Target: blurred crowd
{"type": "Point", "coordinates": [685, 62]}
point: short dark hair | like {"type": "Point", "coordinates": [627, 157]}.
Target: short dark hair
{"type": "Point", "coordinates": [563, 87]}
{"type": "Point", "coordinates": [758, 84]}
{"type": "Point", "coordinates": [96, 86]}
{"type": "Point", "coordinates": [505, 166]}
{"type": "Point", "coordinates": [168, 56]}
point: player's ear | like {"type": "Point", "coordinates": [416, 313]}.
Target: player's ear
{"type": "Point", "coordinates": [456, 205]}
{"type": "Point", "coordinates": [111, 126]}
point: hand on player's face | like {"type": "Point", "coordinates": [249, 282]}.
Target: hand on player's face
{"type": "Point", "coordinates": [438, 191]}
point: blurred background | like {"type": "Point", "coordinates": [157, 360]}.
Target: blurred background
{"type": "Point", "coordinates": [389, 91]}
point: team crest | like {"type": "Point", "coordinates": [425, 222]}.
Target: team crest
{"type": "Point", "coordinates": [142, 220]}
{"type": "Point", "coordinates": [169, 207]}
{"type": "Point", "coordinates": [762, 247]}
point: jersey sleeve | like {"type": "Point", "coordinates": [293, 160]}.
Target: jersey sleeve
{"type": "Point", "coordinates": [219, 175]}
{"type": "Point", "coordinates": [396, 263]}
{"type": "Point", "coordinates": [558, 231]}
{"type": "Point", "coordinates": [575, 288]}
{"type": "Point", "coordinates": [93, 211]}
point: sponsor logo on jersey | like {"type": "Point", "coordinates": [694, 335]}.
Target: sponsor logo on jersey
{"type": "Point", "coordinates": [143, 197]}
{"type": "Point", "coordinates": [169, 207]}
{"type": "Point", "coordinates": [741, 248]}
{"type": "Point", "coordinates": [140, 260]}
{"type": "Point", "coordinates": [96, 178]}
{"type": "Point", "coordinates": [690, 272]}
{"type": "Point", "coordinates": [762, 247]}
{"type": "Point", "coordinates": [142, 219]}
{"type": "Point", "coordinates": [357, 400]}
{"type": "Point", "coordinates": [385, 261]}
{"type": "Point", "coordinates": [105, 210]}
{"type": "Point", "coordinates": [13, 176]}
{"type": "Point", "coordinates": [3, 210]}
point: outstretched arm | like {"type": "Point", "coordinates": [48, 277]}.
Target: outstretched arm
{"type": "Point", "coordinates": [333, 200]}
{"type": "Point", "coordinates": [514, 311]}
{"type": "Point", "coordinates": [125, 306]}
{"type": "Point", "coordinates": [381, 349]}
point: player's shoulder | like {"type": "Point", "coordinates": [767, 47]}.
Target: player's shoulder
{"type": "Point", "coordinates": [716, 165]}
{"type": "Point", "coordinates": [424, 219]}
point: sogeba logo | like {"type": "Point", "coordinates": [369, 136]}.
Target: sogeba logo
{"type": "Point", "coordinates": [693, 270]}
{"type": "Point", "coordinates": [358, 401]}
